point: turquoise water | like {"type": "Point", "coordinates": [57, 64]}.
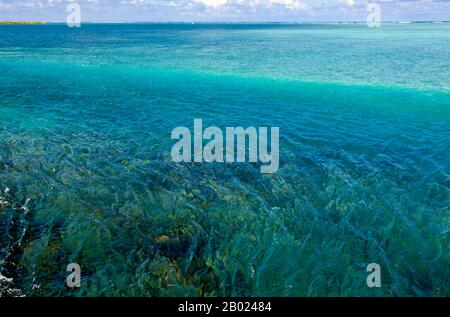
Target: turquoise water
{"type": "Point", "coordinates": [85, 122]}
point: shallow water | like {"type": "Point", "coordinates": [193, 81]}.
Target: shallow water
{"type": "Point", "coordinates": [85, 122]}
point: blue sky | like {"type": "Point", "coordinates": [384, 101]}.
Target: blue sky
{"type": "Point", "coordinates": [224, 10]}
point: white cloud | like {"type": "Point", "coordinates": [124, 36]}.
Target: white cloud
{"type": "Point", "coordinates": [213, 3]}
{"type": "Point", "coordinates": [291, 4]}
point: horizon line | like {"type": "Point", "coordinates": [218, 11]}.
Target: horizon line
{"type": "Point", "coordinates": [228, 22]}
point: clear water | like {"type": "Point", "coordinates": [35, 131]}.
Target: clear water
{"type": "Point", "coordinates": [85, 122]}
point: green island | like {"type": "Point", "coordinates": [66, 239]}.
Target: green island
{"type": "Point", "coordinates": [17, 22]}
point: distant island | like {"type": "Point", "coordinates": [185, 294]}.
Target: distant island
{"type": "Point", "coordinates": [15, 22]}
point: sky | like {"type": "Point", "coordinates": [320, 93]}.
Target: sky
{"type": "Point", "coordinates": [224, 10]}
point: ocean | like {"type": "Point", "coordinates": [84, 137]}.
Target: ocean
{"type": "Point", "coordinates": [86, 176]}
